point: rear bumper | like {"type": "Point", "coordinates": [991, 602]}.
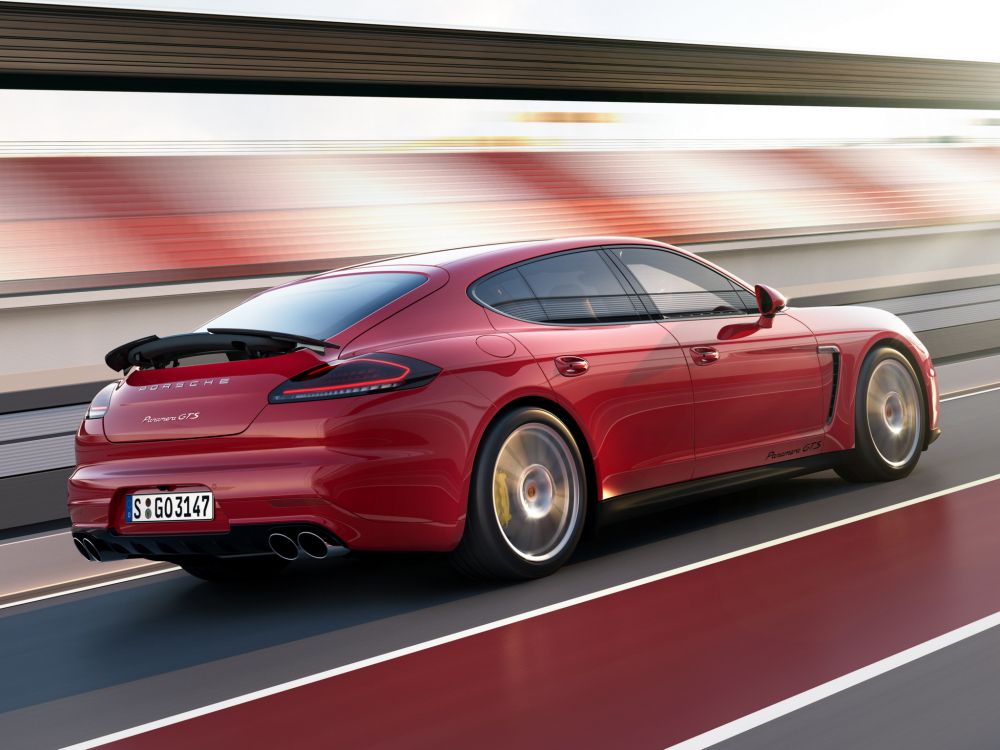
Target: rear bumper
{"type": "Point", "coordinates": [377, 472]}
{"type": "Point", "coordinates": [375, 504]}
{"type": "Point", "coordinates": [245, 539]}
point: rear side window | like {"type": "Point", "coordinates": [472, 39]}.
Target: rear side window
{"type": "Point", "coordinates": [681, 287]}
{"type": "Point", "coordinates": [566, 288]}
{"type": "Point", "coordinates": [322, 307]}
{"type": "Point", "coordinates": [578, 288]}
{"type": "Point", "coordinates": [508, 293]}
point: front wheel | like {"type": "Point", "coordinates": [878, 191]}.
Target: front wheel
{"type": "Point", "coordinates": [528, 499]}
{"type": "Point", "coordinates": [232, 569]}
{"type": "Point", "coordinates": [889, 420]}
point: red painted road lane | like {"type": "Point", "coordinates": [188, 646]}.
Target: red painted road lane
{"type": "Point", "coordinates": [655, 664]}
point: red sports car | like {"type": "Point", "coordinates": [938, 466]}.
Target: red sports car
{"type": "Point", "coordinates": [487, 401]}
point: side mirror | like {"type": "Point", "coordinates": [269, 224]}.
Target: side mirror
{"type": "Point", "coordinates": [769, 300]}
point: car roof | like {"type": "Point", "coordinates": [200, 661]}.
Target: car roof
{"type": "Point", "coordinates": [483, 258]}
{"type": "Point", "coordinates": [468, 263]}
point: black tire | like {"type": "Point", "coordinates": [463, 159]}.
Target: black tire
{"type": "Point", "coordinates": [550, 492]}
{"type": "Point", "coordinates": [874, 422]}
{"type": "Point", "coordinates": [233, 569]}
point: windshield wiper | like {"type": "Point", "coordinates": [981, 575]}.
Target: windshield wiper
{"type": "Point", "coordinates": [304, 340]}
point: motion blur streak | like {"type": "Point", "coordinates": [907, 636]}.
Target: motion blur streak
{"type": "Point", "coordinates": [78, 222]}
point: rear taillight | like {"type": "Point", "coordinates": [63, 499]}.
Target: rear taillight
{"type": "Point", "coordinates": [99, 406]}
{"type": "Point", "coordinates": [374, 373]}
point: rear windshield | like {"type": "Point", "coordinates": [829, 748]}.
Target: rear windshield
{"type": "Point", "coordinates": [320, 308]}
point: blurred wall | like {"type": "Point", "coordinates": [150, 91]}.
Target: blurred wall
{"type": "Point", "coordinates": [95, 251]}
{"type": "Point", "coordinates": [88, 222]}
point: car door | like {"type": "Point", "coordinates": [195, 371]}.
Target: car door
{"type": "Point", "coordinates": [758, 386]}
{"type": "Point", "coordinates": [622, 376]}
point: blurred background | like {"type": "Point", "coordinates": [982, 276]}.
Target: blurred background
{"type": "Point", "coordinates": [128, 213]}
{"type": "Point", "coordinates": [167, 208]}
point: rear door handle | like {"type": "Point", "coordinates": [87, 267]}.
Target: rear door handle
{"type": "Point", "coordinates": [571, 366]}
{"type": "Point", "coordinates": [704, 355]}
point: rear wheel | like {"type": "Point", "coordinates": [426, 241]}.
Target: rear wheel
{"type": "Point", "coordinates": [233, 569]}
{"type": "Point", "coordinates": [526, 507]}
{"type": "Point", "coordinates": [889, 420]}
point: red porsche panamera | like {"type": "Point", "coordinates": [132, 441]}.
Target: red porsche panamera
{"type": "Point", "coordinates": [486, 401]}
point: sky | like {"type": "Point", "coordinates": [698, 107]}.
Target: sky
{"type": "Point", "coordinates": [958, 29]}
{"type": "Point", "coordinates": [123, 116]}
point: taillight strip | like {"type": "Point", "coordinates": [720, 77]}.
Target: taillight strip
{"type": "Point", "coordinates": [363, 384]}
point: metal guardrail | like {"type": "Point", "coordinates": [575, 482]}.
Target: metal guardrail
{"type": "Point", "coordinates": [38, 440]}
{"type": "Point", "coordinates": [63, 47]}
{"type": "Point", "coordinates": [36, 453]}
{"type": "Point", "coordinates": [925, 312]}
{"type": "Point", "coordinates": [952, 323]}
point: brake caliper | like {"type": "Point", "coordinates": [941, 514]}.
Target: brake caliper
{"type": "Point", "coordinates": [501, 498]}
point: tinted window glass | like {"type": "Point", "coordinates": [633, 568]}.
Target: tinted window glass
{"type": "Point", "coordinates": [508, 293]}
{"type": "Point", "coordinates": [578, 288]}
{"type": "Point", "coordinates": [322, 307]}
{"type": "Point", "coordinates": [680, 287]}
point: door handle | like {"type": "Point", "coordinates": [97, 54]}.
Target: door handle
{"type": "Point", "coordinates": [704, 355]}
{"type": "Point", "coordinates": [571, 366]}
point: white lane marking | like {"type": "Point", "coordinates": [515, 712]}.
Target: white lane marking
{"type": "Point", "coordinates": [34, 538]}
{"type": "Point", "coordinates": [88, 587]}
{"type": "Point", "coordinates": [818, 693]}
{"type": "Point", "coordinates": [973, 393]}
{"type": "Point", "coordinates": [496, 624]}
{"type": "Point", "coordinates": [27, 593]}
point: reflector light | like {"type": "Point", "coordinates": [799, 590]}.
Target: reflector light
{"type": "Point", "coordinates": [99, 406]}
{"type": "Point", "coordinates": [354, 377]}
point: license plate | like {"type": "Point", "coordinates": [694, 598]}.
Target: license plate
{"type": "Point", "coordinates": [175, 506]}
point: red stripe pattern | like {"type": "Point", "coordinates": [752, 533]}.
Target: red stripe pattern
{"type": "Point", "coordinates": [96, 216]}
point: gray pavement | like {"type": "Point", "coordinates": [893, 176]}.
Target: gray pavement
{"type": "Point", "coordinates": [945, 701]}
{"type": "Point", "coordinates": [969, 374]}
{"type": "Point", "coordinates": [50, 562]}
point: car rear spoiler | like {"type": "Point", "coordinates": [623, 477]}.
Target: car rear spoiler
{"type": "Point", "coordinates": [152, 351]}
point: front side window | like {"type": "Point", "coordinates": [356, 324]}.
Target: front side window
{"type": "Point", "coordinates": [319, 308]}
{"type": "Point", "coordinates": [678, 287]}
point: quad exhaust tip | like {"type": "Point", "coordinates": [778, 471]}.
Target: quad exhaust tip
{"type": "Point", "coordinates": [95, 553]}
{"type": "Point", "coordinates": [81, 549]}
{"type": "Point", "coordinates": [283, 546]}
{"type": "Point", "coordinates": [317, 547]}
{"type": "Point", "coordinates": [87, 548]}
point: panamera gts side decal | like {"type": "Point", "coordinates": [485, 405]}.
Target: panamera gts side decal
{"type": "Point", "coordinates": [807, 448]}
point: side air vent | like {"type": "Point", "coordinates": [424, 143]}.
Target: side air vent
{"type": "Point", "coordinates": [834, 353]}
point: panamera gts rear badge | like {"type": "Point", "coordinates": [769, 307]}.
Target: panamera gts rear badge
{"type": "Point", "coordinates": [185, 384]}
{"type": "Point", "coordinates": [172, 418]}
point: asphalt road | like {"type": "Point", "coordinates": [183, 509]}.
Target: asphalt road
{"type": "Point", "coordinates": [82, 665]}
{"type": "Point", "coordinates": [947, 699]}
